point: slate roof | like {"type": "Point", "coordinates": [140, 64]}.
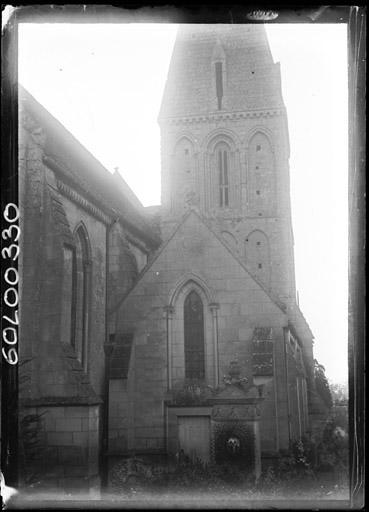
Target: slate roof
{"type": "Point", "coordinates": [108, 190]}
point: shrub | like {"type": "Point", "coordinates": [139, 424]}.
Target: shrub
{"type": "Point", "coordinates": [333, 449]}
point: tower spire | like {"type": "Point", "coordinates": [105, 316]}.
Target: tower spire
{"type": "Point", "coordinates": [225, 142]}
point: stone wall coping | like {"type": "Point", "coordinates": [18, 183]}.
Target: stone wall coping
{"type": "Point", "coordinates": [210, 402]}
{"type": "Point", "coordinates": [235, 401]}
{"type": "Point", "coordinates": [62, 401]}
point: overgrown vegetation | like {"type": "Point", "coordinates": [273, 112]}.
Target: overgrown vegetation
{"type": "Point", "coordinates": [318, 469]}
{"type": "Point", "coordinates": [322, 385]}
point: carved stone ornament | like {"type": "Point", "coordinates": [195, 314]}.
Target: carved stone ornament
{"type": "Point", "coordinates": [34, 129]}
{"type": "Point", "coordinates": [235, 412]}
{"type": "Point", "coordinates": [191, 198]}
{"type": "Point", "coordinates": [233, 377]}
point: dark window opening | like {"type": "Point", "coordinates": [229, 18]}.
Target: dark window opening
{"type": "Point", "coordinates": [219, 82]}
{"type": "Point", "coordinates": [259, 214]}
{"type": "Point", "coordinates": [257, 167]}
{"type": "Point", "coordinates": [68, 313]}
{"type": "Point", "coordinates": [257, 243]}
{"type": "Point", "coordinates": [223, 178]}
{"type": "Point", "coordinates": [81, 299]}
{"type": "Point", "coordinates": [258, 192]}
{"type": "Point", "coordinates": [194, 337]}
{"type": "Point", "coordinates": [186, 151]}
{"type": "Point", "coordinates": [258, 147]}
{"type": "Point", "coordinates": [260, 265]}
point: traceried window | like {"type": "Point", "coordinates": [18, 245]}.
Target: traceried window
{"type": "Point", "coordinates": [223, 168]}
{"type": "Point", "coordinates": [194, 337]}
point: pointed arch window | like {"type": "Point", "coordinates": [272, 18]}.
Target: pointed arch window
{"type": "Point", "coordinates": [194, 337]}
{"type": "Point", "coordinates": [68, 295]}
{"type": "Point", "coordinates": [223, 167]}
{"type": "Point", "coordinates": [81, 295]}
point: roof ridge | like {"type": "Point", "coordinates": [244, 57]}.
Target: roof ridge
{"type": "Point", "coordinates": [193, 210]}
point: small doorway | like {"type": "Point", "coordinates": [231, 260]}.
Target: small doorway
{"type": "Point", "coordinates": [194, 437]}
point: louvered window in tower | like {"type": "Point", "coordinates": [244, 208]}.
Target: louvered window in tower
{"type": "Point", "coordinates": [223, 178]}
{"type": "Point", "coordinates": [194, 337]}
{"type": "Point", "coordinates": [219, 82]}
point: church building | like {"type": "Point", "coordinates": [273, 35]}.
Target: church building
{"type": "Point", "coordinates": [212, 356]}
{"type": "Point", "coordinates": [217, 349]}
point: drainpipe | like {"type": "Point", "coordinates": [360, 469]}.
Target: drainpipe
{"type": "Point", "coordinates": [214, 312]}
{"type": "Point", "coordinates": [285, 332]}
{"type": "Point", "coordinates": [275, 386]}
{"type": "Point", "coordinates": [108, 350]}
{"type": "Point", "coordinates": [169, 310]}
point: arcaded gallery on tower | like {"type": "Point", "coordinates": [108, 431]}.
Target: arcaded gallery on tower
{"type": "Point", "coordinates": [211, 353]}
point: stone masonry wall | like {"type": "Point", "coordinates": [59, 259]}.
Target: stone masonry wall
{"type": "Point", "coordinates": [240, 218]}
{"type": "Point", "coordinates": [243, 305]}
{"type": "Point", "coordinates": [69, 458]}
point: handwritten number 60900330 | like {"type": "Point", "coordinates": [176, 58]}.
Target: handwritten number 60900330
{"type": "Point", "coordinates": [11, 277]}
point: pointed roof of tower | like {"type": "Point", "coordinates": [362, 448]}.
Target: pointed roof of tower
{"type": "Point", "coordinates": [251, 79]}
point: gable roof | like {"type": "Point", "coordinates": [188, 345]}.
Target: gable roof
{"type": "Point", "coordinates": [193, 211]}
{"type": "Point", "coordinates": [66, 155]}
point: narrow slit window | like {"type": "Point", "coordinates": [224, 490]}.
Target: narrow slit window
{"type": "Point", "coordinates": [219, 82]}
{"type": "Point", "coordinates": [223, 178]}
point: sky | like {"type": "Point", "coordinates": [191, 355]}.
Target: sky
{"type": "Point", "coordinates": [104, 83]}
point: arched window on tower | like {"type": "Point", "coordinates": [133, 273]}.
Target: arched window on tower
{"type": "Point", "coordinates": [194, 337]}
{"type": "Point", "coordinates": [81, 293]}
{"type": "Point", "coordinates": [223, 169]}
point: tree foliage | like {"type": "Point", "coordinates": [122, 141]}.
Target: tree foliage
{"type": "Point", "coordinates": [339, 393]}
{"type": "Point", "coordinates": [321, 384]}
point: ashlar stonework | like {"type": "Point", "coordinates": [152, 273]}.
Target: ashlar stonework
{"type": "Point", "coordinates": [212, 356]}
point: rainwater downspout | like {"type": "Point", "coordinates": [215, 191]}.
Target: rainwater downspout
{"type": "Point", "coordinates": [105, 417]}
{"type": "Point", "coordinates": [285, 332]}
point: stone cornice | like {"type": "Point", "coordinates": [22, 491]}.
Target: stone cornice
{"type": "Point", "coordinates": [71, 194]}
{"type": "Point", "coordinates": [221, 116]}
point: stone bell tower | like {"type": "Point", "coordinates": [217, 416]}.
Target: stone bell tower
{"type": "Point", "coordinates": [225, 147]}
